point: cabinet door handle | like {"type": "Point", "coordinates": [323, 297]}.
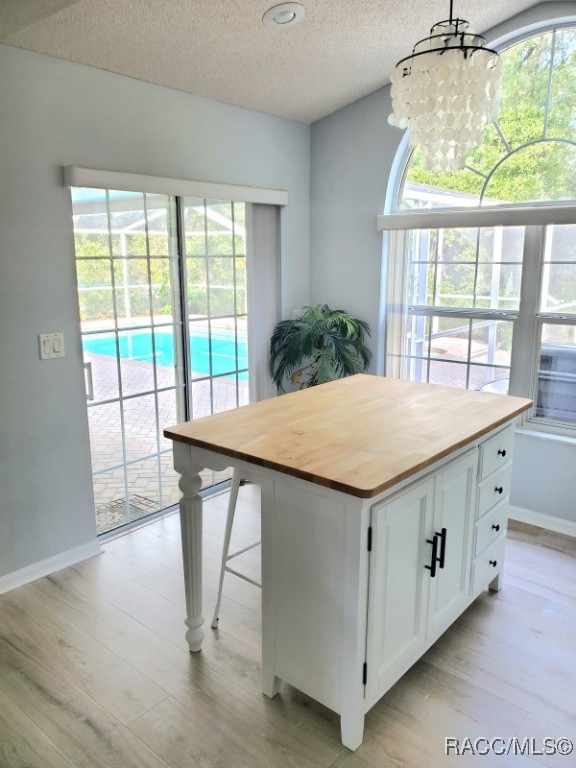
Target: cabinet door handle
{"type": "Point", "coordinates": [502, 452]}
{"type": "Point", "coordinates": [496, 527]}
{"type": "Point", "coordinates": [432, 566]}
{"type": "Point", "coordinates": [442, 537]}
{"type": "Point", "coordinates": [499, 489]}
{"type": "Point", "coordinates": [494, 563]}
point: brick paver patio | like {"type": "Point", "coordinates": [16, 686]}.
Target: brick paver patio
{"type": "Point", "coordinates": [149, 457]}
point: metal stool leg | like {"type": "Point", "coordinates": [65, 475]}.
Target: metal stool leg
{"type": "Point", "coordinates": [236, 479]}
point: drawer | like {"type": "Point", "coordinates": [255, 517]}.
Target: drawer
{"type": "Point", "coordinates": [496, 451]}
{"type": "Point", "coordinates": [490, 527]}
{"type": "Point", "coordinates": [487, 565]}
{"type": "Point", "coordinates": [494, 489]}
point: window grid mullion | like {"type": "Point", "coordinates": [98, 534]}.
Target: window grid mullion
{"type": "Point", "coordinates": [469, 352]}
{"type": "Point", "coordinates": [436, 267]}
{"type": "Point", "coordinates": [476, 265]}
{"type": "Point", "coordinates": [525, 347]}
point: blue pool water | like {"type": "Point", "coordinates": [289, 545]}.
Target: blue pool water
{"type": "Point", "coordinates": [223, 352]}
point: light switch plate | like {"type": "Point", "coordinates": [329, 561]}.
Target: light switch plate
{"type": "Point", "coordinates": [51, 345]}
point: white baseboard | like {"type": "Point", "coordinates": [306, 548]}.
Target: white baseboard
{"type": "Point", "coordinates": [556, 524]}
{"type": "Point", "coordinates": [45, 567]}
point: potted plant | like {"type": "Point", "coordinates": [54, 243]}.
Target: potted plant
{"type": "Point", "coordinates": [320, 345]}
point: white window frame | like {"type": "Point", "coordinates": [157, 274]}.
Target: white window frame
{"type": "Point", "coordinates": [528, 325]}
{"type": "Point", "coordinates": [528, 320]}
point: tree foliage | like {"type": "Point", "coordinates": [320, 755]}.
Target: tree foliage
{"type": "Point", "coordinates": [528, 155]}
{"type": "Point", "coordinates": [147, 281]}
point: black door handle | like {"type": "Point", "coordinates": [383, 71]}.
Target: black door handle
{"type": "Point", "coordinates": [433, 561]}
{"type": "Point", "coordinates": [442, 537]}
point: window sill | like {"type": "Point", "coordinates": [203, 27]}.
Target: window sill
{"type": "Point", "coordinates": [566, 436]}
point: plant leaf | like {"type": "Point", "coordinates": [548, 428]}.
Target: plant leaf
{"type": "Point", "coordinates": [322, 344]}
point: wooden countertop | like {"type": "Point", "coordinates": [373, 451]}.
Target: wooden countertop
{"type": "Point", "coordinates": [360, 435]}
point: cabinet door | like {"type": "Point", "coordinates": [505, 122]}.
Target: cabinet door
{"type": "Point", "coordinates": [453, 518]}
{"type": "Point", "coordinates": [399, 583]}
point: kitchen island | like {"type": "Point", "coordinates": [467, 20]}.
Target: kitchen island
{"type": "Point", "coordinates": [384, 511]}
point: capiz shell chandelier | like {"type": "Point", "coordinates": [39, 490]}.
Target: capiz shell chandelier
{"type": "Point", "coordinates": [446, 92]}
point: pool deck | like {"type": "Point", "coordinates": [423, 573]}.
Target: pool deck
{"type": "Point", "coordinates": [141, 428]}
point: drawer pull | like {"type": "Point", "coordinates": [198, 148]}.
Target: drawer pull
{"type": "Point", "coordinates": [499, 489]}
{"type": "Point", "coordinates": [494, 563]}
{"type": "Point", "coordinates": [496, 527]}
{"type": "Point", "coordinates": [502, 452]}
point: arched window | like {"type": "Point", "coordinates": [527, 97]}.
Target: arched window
{"type": "Point", "coordinates": [482, 287]}
{"type": "Point", "coordinates": [529, 154]}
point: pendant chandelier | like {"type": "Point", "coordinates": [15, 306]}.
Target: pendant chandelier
{"type": "Point", "coordinates": [446, 92]}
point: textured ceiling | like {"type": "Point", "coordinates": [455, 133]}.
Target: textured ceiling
{"type": "Point", "coordinates": [340, 51]}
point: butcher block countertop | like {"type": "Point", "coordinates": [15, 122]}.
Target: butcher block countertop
{"type": "Point", "coordinates": [360, 435]}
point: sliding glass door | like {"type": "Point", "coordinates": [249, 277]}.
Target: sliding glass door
{"type": "Point", "coordinates": [215, 277]}
{"type": "Point", "coordinates": [161, 286]}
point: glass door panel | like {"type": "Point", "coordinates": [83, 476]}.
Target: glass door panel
{"type": "Point", "coordinates": [141, 260]}
{"type": "Point", "coordinates": [215, 253]}
{"type": "Point", "coordinates": [127, 265]}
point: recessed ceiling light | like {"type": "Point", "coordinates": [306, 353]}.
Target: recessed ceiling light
{"type": "Point", "coordinates": [283, 15]}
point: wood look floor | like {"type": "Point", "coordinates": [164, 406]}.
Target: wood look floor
{"type": "Point", "coordinates": [94, 669]}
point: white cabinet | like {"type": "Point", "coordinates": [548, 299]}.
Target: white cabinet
{"type": "Point", "coordinates": [453, 511]}
{"type": "Point", "coordinates": [496, 452]}
{"type": "Point", "coordinates": [359, 589]}
{"type": "Point", "coordinates": [419, 569]}
{"type": "Point", "coordinates": [487, 567]}
{"type": "Point", "coordinates": [398, 585]}
{"type": "Point", "coordinates": [495, 472]}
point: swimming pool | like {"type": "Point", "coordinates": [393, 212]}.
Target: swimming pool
{"type": "Point", "coordinates": [221, 350]}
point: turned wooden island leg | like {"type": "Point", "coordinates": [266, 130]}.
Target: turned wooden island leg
{"type": "Point", "coordinates": [191, 532]}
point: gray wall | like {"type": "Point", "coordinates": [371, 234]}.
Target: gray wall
{"type": "Point", "coordinates": [352, 155]}
{"type": "Point", "coordinates": [353, 152]}
{"type": "Point", "coordinates": [55, 113]}
{"type": "Point", "coordinates": [543, 475]}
